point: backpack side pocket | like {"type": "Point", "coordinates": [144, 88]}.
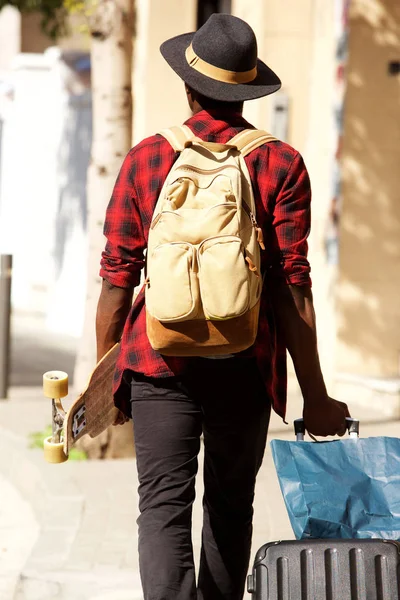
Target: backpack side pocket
{"type": "Point", "coordinates": [172, 292]}
{"type": "Point", "coordinates": [224, 277]}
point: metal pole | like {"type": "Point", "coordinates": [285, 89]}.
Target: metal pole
{"type": "Point", "coordinates": [5, 318]}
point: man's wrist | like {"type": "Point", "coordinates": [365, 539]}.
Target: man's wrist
{"type": "Point", "coordinates": [314, 395]}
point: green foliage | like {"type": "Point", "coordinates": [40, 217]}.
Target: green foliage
{"type": "Point", "coordinates": [76, 454]}
{"type": "Point", "coordinates": [53, 12]}
{"type": "Point", "coordinates": [37, 438]}
{"type": "Point", "coordinates": [84, 9]}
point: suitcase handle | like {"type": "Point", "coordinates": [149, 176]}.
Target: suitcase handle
{"type": "Point", "coordinates": [353, 428]}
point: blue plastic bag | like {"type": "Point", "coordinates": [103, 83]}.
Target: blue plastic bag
{"type": "Point", "coordinates": [341, 489]}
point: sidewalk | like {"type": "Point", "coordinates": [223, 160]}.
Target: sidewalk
{"type": "Point", "coordinates": [85, 513]}
{"type": "Point", "coordinates": [18, 533]}
{"type": "Point", "coordinates": [68, 532]}
{"type": "Point", "coordinates": [79, 517]}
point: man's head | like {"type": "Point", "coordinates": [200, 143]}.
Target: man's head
{"type": "Point", "coordinates": [219, 63]}
{"type": "Point", "coordinates": [198, 102]}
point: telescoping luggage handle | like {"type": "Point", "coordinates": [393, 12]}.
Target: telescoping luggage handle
{"type": "Point", "coordinates": [353, 427]}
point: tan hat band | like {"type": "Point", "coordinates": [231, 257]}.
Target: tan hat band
{"type": "Point", "coordinates": [217, 73]}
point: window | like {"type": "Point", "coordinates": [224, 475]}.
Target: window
{"type": "Point", "coordinates": [205, 8]}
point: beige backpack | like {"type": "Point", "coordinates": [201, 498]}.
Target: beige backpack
{"type": "Point", "coordinates": [203, 279]}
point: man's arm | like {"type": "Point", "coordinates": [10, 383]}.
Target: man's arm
{"type": "Point", "coordinates": [121, 262]}
{"type": "Point", "coordinates": [294, 309]}
{"type": "Point", "coordinates": [123, 258]}
{"type": "Point", "coordinates": [290, 287]}
{"type": "Point", "coordinates": [112, 310]}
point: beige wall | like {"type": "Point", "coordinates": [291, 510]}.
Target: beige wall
{"type": "Point", "coordinates": [369, 305]}
{"type": "Point", "coordinates": [284, 30]}
{"type": "Point", "coordinates": [159, 96]}
{"type": "Point", "coordinates": [319, 152]}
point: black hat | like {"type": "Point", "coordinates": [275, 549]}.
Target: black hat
{"type": "Point", "coordinates": [220, 60]}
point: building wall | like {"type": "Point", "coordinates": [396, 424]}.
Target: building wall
{"type": "Point", "coordinates": [285, 35]}
{"type": "Point", "coordinates": [159, 96]}
{"type": "Point", "coordinates": [319, 152]}
{"type": "Point", "coordinates": [47, 133]}
{"type": "Point", "coordinates": [45, 125]}
{"type": "Point", "coordinates": [298, 41]}
{"type": "Point", "coordinates": [284, 30]}
{"type": "Point", "coordinates": [369, 280]}
{"type": "Point", "coordinates": [32, 37]}
{"type": "Point", "coordinates": [30, 140]}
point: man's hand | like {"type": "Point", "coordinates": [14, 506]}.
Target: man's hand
{"type": "Point", "coordinates": [325, 417]}
{"type": "Point", "coordinates": [119, 417]}
{"type": "Point", "coordinates": [293, 306]}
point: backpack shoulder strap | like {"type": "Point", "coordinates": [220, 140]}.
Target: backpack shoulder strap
{"type": "Point", "coordinates": [179, 136]}
{"type": "Point", "coordinates": [248, 140]}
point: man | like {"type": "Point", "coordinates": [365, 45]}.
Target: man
{"type": "Point", "coordinates": [175, 400]}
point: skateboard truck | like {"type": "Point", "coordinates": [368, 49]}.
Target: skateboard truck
{"type": "Point", "coordinates": [55, 386]}
{"type": "Point", "coordinates": [91, 413]}
{"type": "Point", "coordinates": [79, 422]}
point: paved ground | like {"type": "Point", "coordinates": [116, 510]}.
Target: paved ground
{"type": "Point", "coordinates": [84, 513]}
{"type": "Point", "coordinates": [68, 532]}
{"type": "Point", "coordinates": [19, 531]}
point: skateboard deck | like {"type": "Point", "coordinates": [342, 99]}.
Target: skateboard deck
{"type": "Point", "coordinates": [91, 413]}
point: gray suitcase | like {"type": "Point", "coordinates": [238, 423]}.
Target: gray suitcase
{"type": "Point", "coordinates": [327, 570]}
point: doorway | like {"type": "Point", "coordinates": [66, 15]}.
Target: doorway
{"type": "Point", "coordinates": [205, 8]}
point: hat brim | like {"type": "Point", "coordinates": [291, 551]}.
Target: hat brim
{"type": "Point", "coordinates": [266, 82]}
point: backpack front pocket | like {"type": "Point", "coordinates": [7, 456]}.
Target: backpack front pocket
{"type": "Point", "coordinates": [224, 277]}
{"type": "Point", "coordinates": [172, 292]}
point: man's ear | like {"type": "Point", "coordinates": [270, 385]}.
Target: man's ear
{"type": "Point", "coordinates": [189, 94]}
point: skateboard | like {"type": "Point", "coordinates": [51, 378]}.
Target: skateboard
{"type": "Point", "coordinates": [91, 413]}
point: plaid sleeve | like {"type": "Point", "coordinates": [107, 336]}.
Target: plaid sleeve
{"type": "Point", "coordinates": [123, 257]}
{"type": "Point", "coordinates": [292, 221]}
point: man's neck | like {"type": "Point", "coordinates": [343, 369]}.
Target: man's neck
{"type": "Point", "coordinates": [218, 109]}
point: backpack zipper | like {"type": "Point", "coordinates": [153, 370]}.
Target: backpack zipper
{"type": "Point", "coordinates": [172, 212]}
{"type": "Point", "coordinates": [206, 171]}
{"type": "Point", "coordinates": [252, 217]}
{"type": "Point", "coordinates": [160, 214]}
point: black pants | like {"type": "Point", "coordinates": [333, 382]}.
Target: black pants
{"type": "Point", "coordinates": [226, 400]}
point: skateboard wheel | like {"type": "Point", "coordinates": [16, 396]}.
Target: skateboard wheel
{"type": "Point", "coordinates": [54, 452]}
{"type": "Point", "coordinates": [55, 384]}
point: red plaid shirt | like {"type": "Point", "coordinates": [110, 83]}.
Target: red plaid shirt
{"type": "Point", "coordinates": [282, 194]}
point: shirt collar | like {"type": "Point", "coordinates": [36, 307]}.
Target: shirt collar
{"type": "Point", "coordinates": [212, 122]}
